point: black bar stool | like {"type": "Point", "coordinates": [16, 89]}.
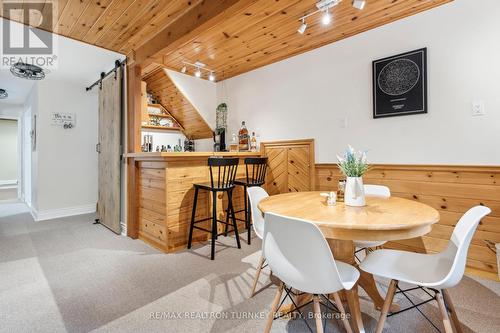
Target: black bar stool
{"type": "Point", "coordinates": [255, 176]}
{"type": "Point", "coordinates": [224, 173]}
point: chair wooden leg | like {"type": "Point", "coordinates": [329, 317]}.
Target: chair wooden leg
{"type": "Point", "coordinates": [387, 305]}
{"type": "Point", "coordinates": [317, 314]}
{"type": "Point", "coordinates": [453, 312]}
{"type": "Point", "coordinates": [343, 314]}
{"type": "Point", "coordinates": [274, 308]}
{"type": "Point", "coordinates": [444, 313]}
{"type": "Point", "coordinates": [354, 309]}
{"type": "Point", "coordinates": [214, 225]}
{"type": "Point", "coordinates": [257, 274]}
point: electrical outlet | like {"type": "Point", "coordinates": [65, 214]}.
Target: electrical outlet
{"type": "Point", "coordinates": [478, 109]}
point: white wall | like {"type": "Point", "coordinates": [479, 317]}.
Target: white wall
{"type": "Point", "coordinates": [203, 95]}
{"type": "Point", "coordinates": [9, 167]}
{"type": "Point", "coordinates": [308, 96]}
{"type": "Point", "coordinates": [67, 160]}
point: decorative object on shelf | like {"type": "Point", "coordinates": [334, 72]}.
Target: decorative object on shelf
{"type": "Point", "coordinates": [189, 145]}
{"type": "Point", "coordinates": [253, 142]}
{"type": "Point", "coordinates": [64, 120]}
{"type": "Point", "coordinates": [148, 143]}
{"type": "Point", "coordinates": [354, 165]}
{"type": "Point", "coordinates": [400, 84]}
{"type": "Point", "coordinates": [27, 71]}
{"type": "Point", "coordinates": [3, 94]}
{"type": "Point", "coordinates": [220, 127]}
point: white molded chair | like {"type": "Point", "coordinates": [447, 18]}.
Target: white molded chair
{"type": "Point", "coordinates": [435, 271]}
{"type": "Point", "coordinates": [379, 191]}
{"type": "Point", "coordinates": [255, 195]}
{"type": "Point", "coordinates": [299, 255]}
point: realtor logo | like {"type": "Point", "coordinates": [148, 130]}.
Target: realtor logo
{"type": "Point", "coordinates": [25, 36]}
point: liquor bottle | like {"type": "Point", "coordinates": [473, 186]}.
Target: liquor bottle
{"type": "Point", "coordinates": [253, 142]}
{"type": "Point", "coordinates": [243, 137]}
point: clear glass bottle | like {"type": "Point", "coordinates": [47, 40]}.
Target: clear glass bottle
{"type": "Point", "coordinates": [253, 142]}
{"type": "Point", "coordinates": [243, 137]}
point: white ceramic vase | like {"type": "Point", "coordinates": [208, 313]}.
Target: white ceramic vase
{"type": "Point", "coordinates": [354, 192]}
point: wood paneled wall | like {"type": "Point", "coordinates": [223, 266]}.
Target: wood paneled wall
{"type": "Point", "coordinates": [452, 190]}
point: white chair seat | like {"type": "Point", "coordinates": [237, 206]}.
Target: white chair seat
{"type": "Point", "coordinates": [348, 274]}
{"type": "Point", "coordinates": [364, 244]}
{"type": "Point", "coordinates": [427, 270]}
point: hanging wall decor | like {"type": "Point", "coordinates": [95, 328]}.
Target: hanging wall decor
{"type": "Point", "coordinates": [400, 84]}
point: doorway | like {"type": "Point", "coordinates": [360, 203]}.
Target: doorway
{"type": "Point", "coordinates": [10, 159]}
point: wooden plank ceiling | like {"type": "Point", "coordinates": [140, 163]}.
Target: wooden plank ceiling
{"type": "Point", "coordinates": [171, 98]}
{"type": "Point", "coordinates": [259, 34]}
{"type": "Point", "coordinates": [118, 25]}
{"type": "Point", "coordinates": [266, 32]}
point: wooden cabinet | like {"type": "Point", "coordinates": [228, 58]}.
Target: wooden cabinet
{"type": "Point", "coordinates": [290, 166]}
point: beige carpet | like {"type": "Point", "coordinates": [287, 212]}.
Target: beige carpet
{"type": "Point", "coordinates": [68, 275]}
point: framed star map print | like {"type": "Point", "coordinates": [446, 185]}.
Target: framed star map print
{"type": "Point", "coordinates": [400, 84]}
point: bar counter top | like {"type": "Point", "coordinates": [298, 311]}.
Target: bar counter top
{"type": "Point", "coordinates": [191, 154]}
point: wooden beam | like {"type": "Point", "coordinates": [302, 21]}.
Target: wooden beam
{"type": "Point", "coordinates": [204, 16]}
{"type": "Point", "coordinates": [133, 145]}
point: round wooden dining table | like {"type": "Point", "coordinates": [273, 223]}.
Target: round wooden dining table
{"type": "Point", "coordinates": [382, 219]}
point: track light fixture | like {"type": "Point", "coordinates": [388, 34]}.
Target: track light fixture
{"type": "Point", "coordinates": [197, 73]}
{"type": "Point", "coordinates": [322, 6]}
{"type": "Point", "coordinates": [198, 70]}
{"type": "Point", "coordinates": [326, 18]}
{"type": "Point", "coordinates": [302, 27]}
{"type": "Point", "coordinates": [359, 4]}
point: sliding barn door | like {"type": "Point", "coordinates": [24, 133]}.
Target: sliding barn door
{"type": "Point", "coordinates": [110, 99]}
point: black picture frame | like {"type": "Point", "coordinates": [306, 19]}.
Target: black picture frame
{"type": "Point", "coordinates": [400, 84]}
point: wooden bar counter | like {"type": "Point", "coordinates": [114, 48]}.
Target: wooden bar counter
{"type": "Point", "coordinates": [163, 197]}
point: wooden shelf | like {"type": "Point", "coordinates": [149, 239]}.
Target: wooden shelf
{"type": "Point", "coordinates": [162, 128]}
{"type": "Point", "coordinates": [161, 115]}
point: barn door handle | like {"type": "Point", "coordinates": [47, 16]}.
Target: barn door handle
{"type": "Point", "coordinates": [98, 148]}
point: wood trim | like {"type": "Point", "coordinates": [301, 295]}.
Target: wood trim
{"type": "Point", "coordinates": [133, 144]}
{"type": "Point", "coordinates": [452, 190]}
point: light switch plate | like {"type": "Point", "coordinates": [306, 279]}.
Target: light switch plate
{"type": "Point", "coordinates": [478, 108]}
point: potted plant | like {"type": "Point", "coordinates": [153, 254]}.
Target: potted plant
{"type": "Point", "coordinates": [353, 165]}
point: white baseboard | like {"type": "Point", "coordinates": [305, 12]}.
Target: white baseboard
{"type": "Point", "coordinates": [49, 214]}
{"type": "Point", "coordinates": [6, 184]}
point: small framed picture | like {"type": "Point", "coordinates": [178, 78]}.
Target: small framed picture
{"type": "Point", "coordinates": [400, 84]}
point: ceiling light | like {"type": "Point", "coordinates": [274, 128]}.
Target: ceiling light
{"type": "Point", "coordinates": [197, 73]}
{"type": "Point", "coordinates": [184, 70]}
{"type": "Point", "coordinates": [326, 18]}
{"type": "Point", "coordinates": [302, 27]}
{"type": "Point", "coordinates": [27, 71]}
{"type": "Point", "coordinates": [359, 4]}
{"type": "Point", "coordinates": [211, 77]}
{"type": "Point", "coordinates": [3, 94]}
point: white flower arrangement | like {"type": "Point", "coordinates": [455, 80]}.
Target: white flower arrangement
{"type": "Point", "coordinates": [353, 163]}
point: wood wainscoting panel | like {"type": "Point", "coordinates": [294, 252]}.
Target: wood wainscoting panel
{"type": "Point", "coordinates": [290, 166]}
{"type": "Point", "coordinates": [450, 189]}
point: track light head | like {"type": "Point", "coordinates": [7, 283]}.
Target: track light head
{"type": "Point", "coordinates": [302, 27]}
{"type": "Point", "coordinates": [326, 18]}
{"type": "Point", "coordinates": [359, 4]}
{"type": "Point", "coordinates": [197, 73]}
{"type": "Point", "coordinates": [211, 76]}
{"type": "Point", "coordinates": [184, 70]}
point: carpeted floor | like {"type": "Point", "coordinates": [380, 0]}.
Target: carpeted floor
{"type": "Point", "coordinates": [68, 275]}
